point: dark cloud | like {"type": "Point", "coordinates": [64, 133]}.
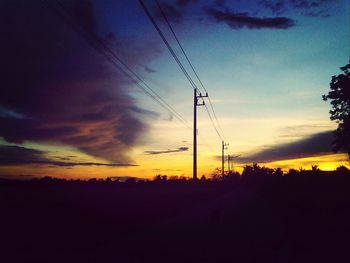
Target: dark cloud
{"type": "Point", "coordinates": [314, 8]}
{"type": "Point", "coordinates": [70, 164]}
{"type": "Point", "coordinates": [63, 158]}
{"type": "Point", "coordinates": [57, 88]}
{"type": "Point", "coordinates": [143, 112]}
{"type": "Point", "coordinates": [180, 149]}
{"type": "Point", "coordinates": [10, 155]}
{"type": "Point", "coordinates": [173, 11]}
{"type": "Point", "coordinates": [301, 131]}
{"type": "Point", "coordinates": [315, 145]}
{"type": "Point", "coordinates": [307, 4]}
{"type": "Point", "coordinates": [244, 20]}
{"type": "Point", "coordinates": [220, 3]}
{"type": "Point", "coordinates": [185, 2]}
{"type": "Point", "coordinates": [318, 13]}
{"type": "Point", "coordinates": [17, 155]}
{"type": "Point", "coordinates": [277, 7]}
{"type": "Point", "coordinates": [149, 70]}
{"type": "Point", "coordinates": [169, 118]}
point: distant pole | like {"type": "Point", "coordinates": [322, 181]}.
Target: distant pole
{"type": "Point", "coordinates": [228, 163]}
{"type": "Point", "coordinates": [195, 104]}
{"type": "Point", "coordinates": [222, 159]}
{"type": "Point", "coordinates": [223, 148]}
{"type": "Point", "coordinates": [231, 164]}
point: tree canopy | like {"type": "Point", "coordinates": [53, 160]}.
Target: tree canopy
{"type": "Point", "coordinates": [339, 96]}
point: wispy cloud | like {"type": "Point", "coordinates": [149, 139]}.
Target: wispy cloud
{"type": "Point", "coordinates": [184, 2]}
{"type": "Point", "coordinates": [314, 145]}
{"type": "Point", "coordinates": [307, 4]}
{"type": "Point", "coordinates": [244, 20]}
{"type": "Point", "coordinates": [173, 11]}
{"type": "Point", "coordinates": [301, 131]}
{"type": "Point", "coordinates": [67, 92]}
{"type": "Point", "coordinates": [314, 8]}
{"type": "Point", "coordinates": [17, 155]}
{"type": "Point", "coordinates": [180, 149]}
{"type": "Point", "coordinates": [149, 70]}
{"type": "Point", "coordinates": [277, 7]}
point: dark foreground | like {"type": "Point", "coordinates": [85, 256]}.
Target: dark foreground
{"type": "Point", "coordinates": [275, 219]}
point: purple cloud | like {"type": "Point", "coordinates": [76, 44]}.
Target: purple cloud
{"type": "Point", "coordinates": [17, 155]}
{"type": "Point", "coordinates": [149, 70]}
{"type": "Point", "coordinates": [57, 88]}
{"type": "Point", "coordinates": [173, 11]}
{"type": "Point", "coordinates": [277, 7]}
{"type": "Point", "coordinates": [314, 8]}
{"type": "Point", "coordinates": [244, 20]}
{"type": "Point", "coordinates": [180, 149]}
{"type": "Point", "coordinates": [185, 2]}
{"type": "Point", "coordinates": [314, 145]}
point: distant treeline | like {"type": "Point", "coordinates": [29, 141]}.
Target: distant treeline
{"type": "Point", "coordinates": [249, 171]}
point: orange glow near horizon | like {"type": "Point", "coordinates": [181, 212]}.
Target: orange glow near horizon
{"type": "Point", "coordinates": [324, 162]}
{"type": "Point", "coordinates": [154, 165]}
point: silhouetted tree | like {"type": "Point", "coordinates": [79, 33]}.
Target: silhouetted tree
{"type": "Point", "coordinates": [130, 180]}
{"type": "Point", "coordinates": [256, 170]}
{"type": "Point", "coordinates": [203, 178]}
{"type": "Point", "coordinates": [182, 178]}
{"type": "Point", "coordinates": [92, 180]}
{"type": "Point", "coordinates": [342, 170]}
{"type": "Point", "coordinates": [292, 172]}
{"type": "Point", "coordinates": [247, 170]}
{"type": "Point", "coordinates": [339, 95]}
{"type": "Point", "coordinates": [315, 168]}
{"type": "Point", "coordinates": [216, 174]}
{"type": "Point", "coordinates": [278, 172]}
{"type": "Point", "coordinates": [160, 178]}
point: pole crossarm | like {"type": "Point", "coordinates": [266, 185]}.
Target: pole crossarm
{"type": "Point", "coordinates": [200, 96]}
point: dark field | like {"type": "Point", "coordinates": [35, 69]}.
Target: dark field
{"type": "Point", "coordinates": [271, 219]}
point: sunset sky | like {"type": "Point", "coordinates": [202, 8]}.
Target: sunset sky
{"type": "Point", "coordinates": [66, 111]}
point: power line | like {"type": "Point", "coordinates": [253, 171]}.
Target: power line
{"type": "Point", "coordinates": [191, 65]}
{"type": "Point", "coordinates": [173, 53]}
{"type": "Point", "coordinates": [167, 44]}
{"type": "Point", "coordinates": [100, 46]}
{"type": "Point", "coordinates": [197, 94]}
{"type": "Point", "coordinates": [204, 141]}
{"type": "Point", "coordinates": [104, 46]}
{"type": "Point", "coordinates": [217, 132]}
{"type": "Point", "coordinates": [179, 62]}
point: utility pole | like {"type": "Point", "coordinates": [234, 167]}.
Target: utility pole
{"type": "Point", "coordinates": [195, 104]}
{"type": "Point", "coordinates": [223, 148]}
